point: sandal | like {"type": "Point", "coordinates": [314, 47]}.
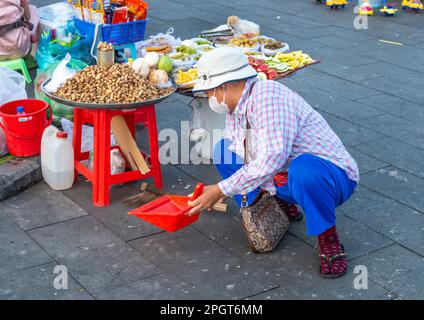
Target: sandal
{"type": "Point", "coordinates": [290, 209]}
{"type": "Point", "coordinates": [329, 260]}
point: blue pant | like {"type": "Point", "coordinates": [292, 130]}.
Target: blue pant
{"type": "Point", "coordinates": [317, 185]}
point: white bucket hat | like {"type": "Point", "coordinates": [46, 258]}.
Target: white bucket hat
{"type": "Point", "coordinates": [222, 65]}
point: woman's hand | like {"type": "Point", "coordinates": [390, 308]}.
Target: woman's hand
{"type": "Point", "coordinates": [210, 195]}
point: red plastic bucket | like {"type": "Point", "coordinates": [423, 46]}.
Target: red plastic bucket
{"type": "Point", "coordinates": [24, 132]}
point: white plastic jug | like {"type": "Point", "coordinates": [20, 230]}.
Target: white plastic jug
{"type": "Point", "coordinates": [57, 159]}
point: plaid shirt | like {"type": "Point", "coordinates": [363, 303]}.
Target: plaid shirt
{"type": "Point", "coordinates": [283, 126]}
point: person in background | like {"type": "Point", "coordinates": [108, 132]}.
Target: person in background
{"type": "Point", "coordinates": [18, 29]}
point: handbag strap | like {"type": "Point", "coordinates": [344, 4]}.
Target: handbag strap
{"type": "Point", "coordinates": [15, 25]}
{"type": "Point", "coordinates": [244, 202]}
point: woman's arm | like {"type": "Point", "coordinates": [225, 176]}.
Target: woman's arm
{"type": "Point", "coordinates": [27, 13]}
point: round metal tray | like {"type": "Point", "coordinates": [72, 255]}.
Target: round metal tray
{"type": "Point", "coordinates": [85, 105]}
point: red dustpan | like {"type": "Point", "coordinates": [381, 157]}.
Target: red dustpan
{"type": "Point", "coordinates": [169, 212]}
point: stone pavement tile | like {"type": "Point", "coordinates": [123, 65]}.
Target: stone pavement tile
{"type": "Point", "coordinates": [357, 238]}
{"type": "Point", "coordinates": [94, 256]}
{"type": "Point", "coordinates": [18, 250]}
{"type": "Point", "coordinates": [169, 249]}
{"type": "Point", "coordinates": [295, 267]}
{"type": "Point", "coordinates": [166, 109]}
{"type": "Point", "coordinates": [334, 41]}
{"type": "Point", "coordinates": [397, 106]}
{"type": "Point", "coordinates": [225, 229]}
{"type": "Point", "coordinates": [365, 162]}
{"type": "Point", "coordinates": [396, 184]}
{"type": "Point", "coordinates": [363, 198]}
{"type": "Point", "coordinates": [341, 107]}
{"type": "Point", "coordinates": [377, 50]}
{"type": "Point", "coordinates": [196, 25]}
{"type": "Point", "coordinates": [37, 283]}
{"type": "Point", "coordinates": [343, 88]}
{"type": "Point", "coordinates": [350, 34]}
{"type": "Point", "coordinates": [397, 128]}
{"type": "Point", "coordinates": [325, 290]}
{"type": "Point", "coordinates": [159, 287]}
{"type": "Point", "coordinates": [115, 216]}
{"type": "Point", "coordinates": [395, 221]}
{"type": "Point", "coordinates": [343, 58]}
{"type": "Point", "coordinates": [40, 206]}
{"type": "Point", "coordinates": [18, 174]}
{"type": "Point", "coordinates": [401, 155]}
{"type": "Point", "coordinates": [353, 73]}
{"type": "Point", "coordinates": [210, 269]}
{"type": "Point", "coordinates": [396, 269]}
{"type": "Point", "coordinates": [350, 133]}
{"type": "Point", "coordinates": [203, 172]}
{"type": "Point", "coordinates": [403, 88]}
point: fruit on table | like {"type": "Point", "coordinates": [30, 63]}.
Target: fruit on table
{"type": "Point", "coordinates": [262, 76]}
{"type": "Point", "coordinates": [186, 49]}
{"type": "Point", "coordinates": [152, 59]}
{"type": "Point", "coordinates": [295, 59]}
{"type": "Point", "coordinates": [181, 56]}
{"type": "Point", "coordinates": [141, 67]}
{"type": "Point", "coordinates": [272, 44]}
{"type": "Point", "coordinates": [184, 77]}
{"type": "Point", "coordinates": [264, 68]}
{"type": "Point", "coordinates": [165, 63]}
{"type": "Point", "coordinates": [158, 77]}
{"type": "Point", "coordinates": [244, 41]}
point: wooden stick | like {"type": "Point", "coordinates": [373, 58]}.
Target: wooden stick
{"type": "Point", "coordinates": [219, 206]}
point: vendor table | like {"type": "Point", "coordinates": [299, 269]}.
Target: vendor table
{"type": "Point", "coordinates": [100, 117]}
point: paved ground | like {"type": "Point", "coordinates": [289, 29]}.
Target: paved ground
{"type": "Point", "coordinates": [371, 94]}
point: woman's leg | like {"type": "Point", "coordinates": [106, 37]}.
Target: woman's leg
{"type": "Point", "coordinates": [227, 163]}
{"type": "Point", "coordinates": [319, 187]}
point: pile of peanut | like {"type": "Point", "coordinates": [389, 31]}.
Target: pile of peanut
{"type": "Point", "coordinates": [105, 46]}
{"type": "Point", "coordinates": [115, 84]}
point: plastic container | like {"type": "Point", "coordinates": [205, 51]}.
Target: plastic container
{"type": "Point", "coordinates": [117, 34]}
{"type": "Point", "coordinates": [57, 159]}
{"type": "Point", "coordinates": [23, 132]}
{"type": "Point", "coordinates": [169, 212]}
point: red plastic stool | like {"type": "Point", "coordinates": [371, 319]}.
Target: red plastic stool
{"type": "Point", "coordinates": [100, 177]}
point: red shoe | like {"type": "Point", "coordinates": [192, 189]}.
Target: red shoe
{"type": "Point", "coordinates": [333, 262]}
{"type": "Point", "coordinates": [290, 210]}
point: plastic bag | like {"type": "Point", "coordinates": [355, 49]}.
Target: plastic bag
{"type": "Point", "coordinates": [241, 26]}
{"type": "Point", "coordinates": [197, 122]}
{"type": "Point", "coordinates": [68, 40]}
{"type": "Point", "coordinates": [158, 40]}
{"type": "Point", "coordinates": [12, 85]}
{"type": "Point", "coordinates": [56, 14]}
{"type": "Point", "coordinates": [87, 135]}
{"type": "Point", "coordinates": [117, 162]}
{"type": "Point", "coordinates": [59, 110]}
{"type": "Point", "coordinates": [60, 74]}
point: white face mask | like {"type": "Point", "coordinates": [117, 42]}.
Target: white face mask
{"type": "Point", "coordinates": [216, 106]}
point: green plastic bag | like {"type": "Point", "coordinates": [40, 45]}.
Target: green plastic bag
{"type": "Point", "coordinates": [59, 110]}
